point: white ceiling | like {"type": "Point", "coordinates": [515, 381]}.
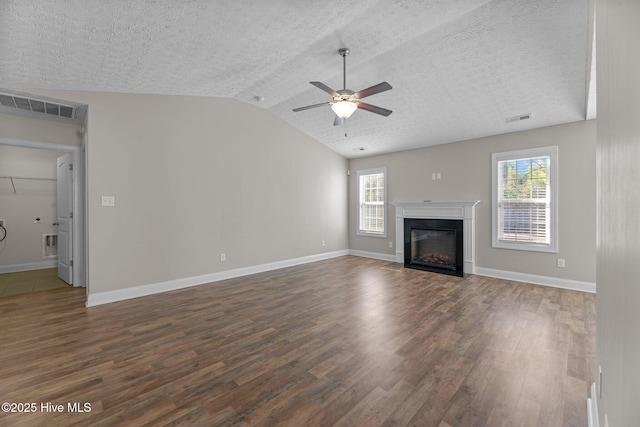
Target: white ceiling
{"type": "Point", "coordinates": [458, 68]}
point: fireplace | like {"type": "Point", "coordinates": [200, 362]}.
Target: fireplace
{"type": "Point", "coordinates": [463, 211]}
{"type": "Point", "coordinates": [434, 245]}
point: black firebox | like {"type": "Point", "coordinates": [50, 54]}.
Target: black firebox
{"type": "Point", "coordinates": [434, 245]}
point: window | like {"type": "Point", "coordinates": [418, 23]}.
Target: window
{"type": "Point", "coordinates": [372, 185]}
{"type": "Point", "coordinates": [525, 195]}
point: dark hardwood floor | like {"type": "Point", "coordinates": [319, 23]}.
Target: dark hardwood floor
{"type": "Point", "coordinates": [349, 341]}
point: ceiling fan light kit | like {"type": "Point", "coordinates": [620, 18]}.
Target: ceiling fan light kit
{"type": "Point", "coordinates": [345, 101]}
{"type": "Point", "coordinates": [344, 109]}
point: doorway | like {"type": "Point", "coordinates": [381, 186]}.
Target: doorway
{"type": "Point", "coordinates": [44, 274]}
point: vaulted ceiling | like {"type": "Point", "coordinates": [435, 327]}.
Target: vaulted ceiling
{"type": "Point", "coordinates": [458, 68]}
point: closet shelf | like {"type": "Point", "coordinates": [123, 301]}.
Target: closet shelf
{"type": "Point", "coordinates": [12, 178]}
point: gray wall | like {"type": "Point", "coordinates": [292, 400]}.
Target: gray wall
{"type": "Point", "coordinates": [195, 177]}
{"type": "Point", "coordinates": [29, 129]}
{"type": "Point", "coordinates": [465, 169]}
{"type": "Point", "coordinates": [618, 252]}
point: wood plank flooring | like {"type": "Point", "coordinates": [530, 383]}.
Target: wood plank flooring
{"type": "Point", "coordinates": [348, 341]}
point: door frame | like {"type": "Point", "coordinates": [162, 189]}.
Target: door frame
{"type": "Point", "coordinates": [80, 255]}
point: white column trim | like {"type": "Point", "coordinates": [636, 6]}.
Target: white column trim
{"type": "Point", "coordinates": [592, 408]}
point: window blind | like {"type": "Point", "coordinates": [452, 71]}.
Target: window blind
{"type": "Point", "coordinates": [524, 200]}
{"type": "Point", "coordinates": [372, 202]}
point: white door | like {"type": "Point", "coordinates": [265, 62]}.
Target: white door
{"type": "Point", "coordinates": [65, 217]}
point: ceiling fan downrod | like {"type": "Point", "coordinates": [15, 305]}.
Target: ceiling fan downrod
{"type": "Point", "coordinates": [344, 52]}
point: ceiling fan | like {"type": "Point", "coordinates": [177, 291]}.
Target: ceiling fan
{"type": "Point", "coordinates": [346, 101]}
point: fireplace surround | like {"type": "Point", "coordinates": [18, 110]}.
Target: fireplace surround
{"type": "Point", "coordinates": [457, 210]}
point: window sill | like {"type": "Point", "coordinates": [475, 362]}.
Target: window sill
{"type": "Point", "coordinates": [525, 247]}
{"type": "Point", "coordinates": [364, 233]}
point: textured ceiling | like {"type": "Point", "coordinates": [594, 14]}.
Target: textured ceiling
{"type": "Point", "coordinates": [458, 68]}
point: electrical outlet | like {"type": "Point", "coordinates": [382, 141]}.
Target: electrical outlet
{"type": "Point", "coordinates": [223, 257]}
{"type": "Point", "coordinates": [433, 175]}
{"type": "Point", "coordinates": [323, 243]}
{"type": "Point", "coordinates": [390, 244]}
{"type": "Point", "coordinates": [561, 263]}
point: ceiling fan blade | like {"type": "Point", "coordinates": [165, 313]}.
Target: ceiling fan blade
{"type": "Point", "coordinates": [338, 121]}
{"type": "Point", "coordinates": [308, 107]}
{"type": "Point", "coordinates": [374, 109]}
{"type": "Point", "coordinates": [325, 88]}
{"type": "Point", "coordinates": [380, 87]}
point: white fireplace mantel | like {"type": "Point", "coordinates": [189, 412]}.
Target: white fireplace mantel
{"type": "Point", "coordinates": [465, 211]}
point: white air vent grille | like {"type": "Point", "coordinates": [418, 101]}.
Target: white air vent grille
{"type": "Point", "coordinates": [41, 107]}
{"type": "Point", "coordinates": [38, 106]}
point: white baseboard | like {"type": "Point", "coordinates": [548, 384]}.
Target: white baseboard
{"type": "Point", "coordinates": [100, 298]}
{"type": "Point", "coordinates": [374, 255]}
{"type": "Point", "coordinates": [554, 282]}
{"type": "Point", "coordinates": [28, 266]}
{"type": "Point", "coordinates": [592, 408]}
{"type": "Point", "coordinates": [502, 274]}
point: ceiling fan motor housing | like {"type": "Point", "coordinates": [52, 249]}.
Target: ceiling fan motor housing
{"type": "Point", "coordinates": [345, 95]}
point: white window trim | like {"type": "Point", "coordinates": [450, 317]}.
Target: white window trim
{"type": "Point", "coordinates": [552, 152]}
{"type": "Point", "coordinates": [360, 232]}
